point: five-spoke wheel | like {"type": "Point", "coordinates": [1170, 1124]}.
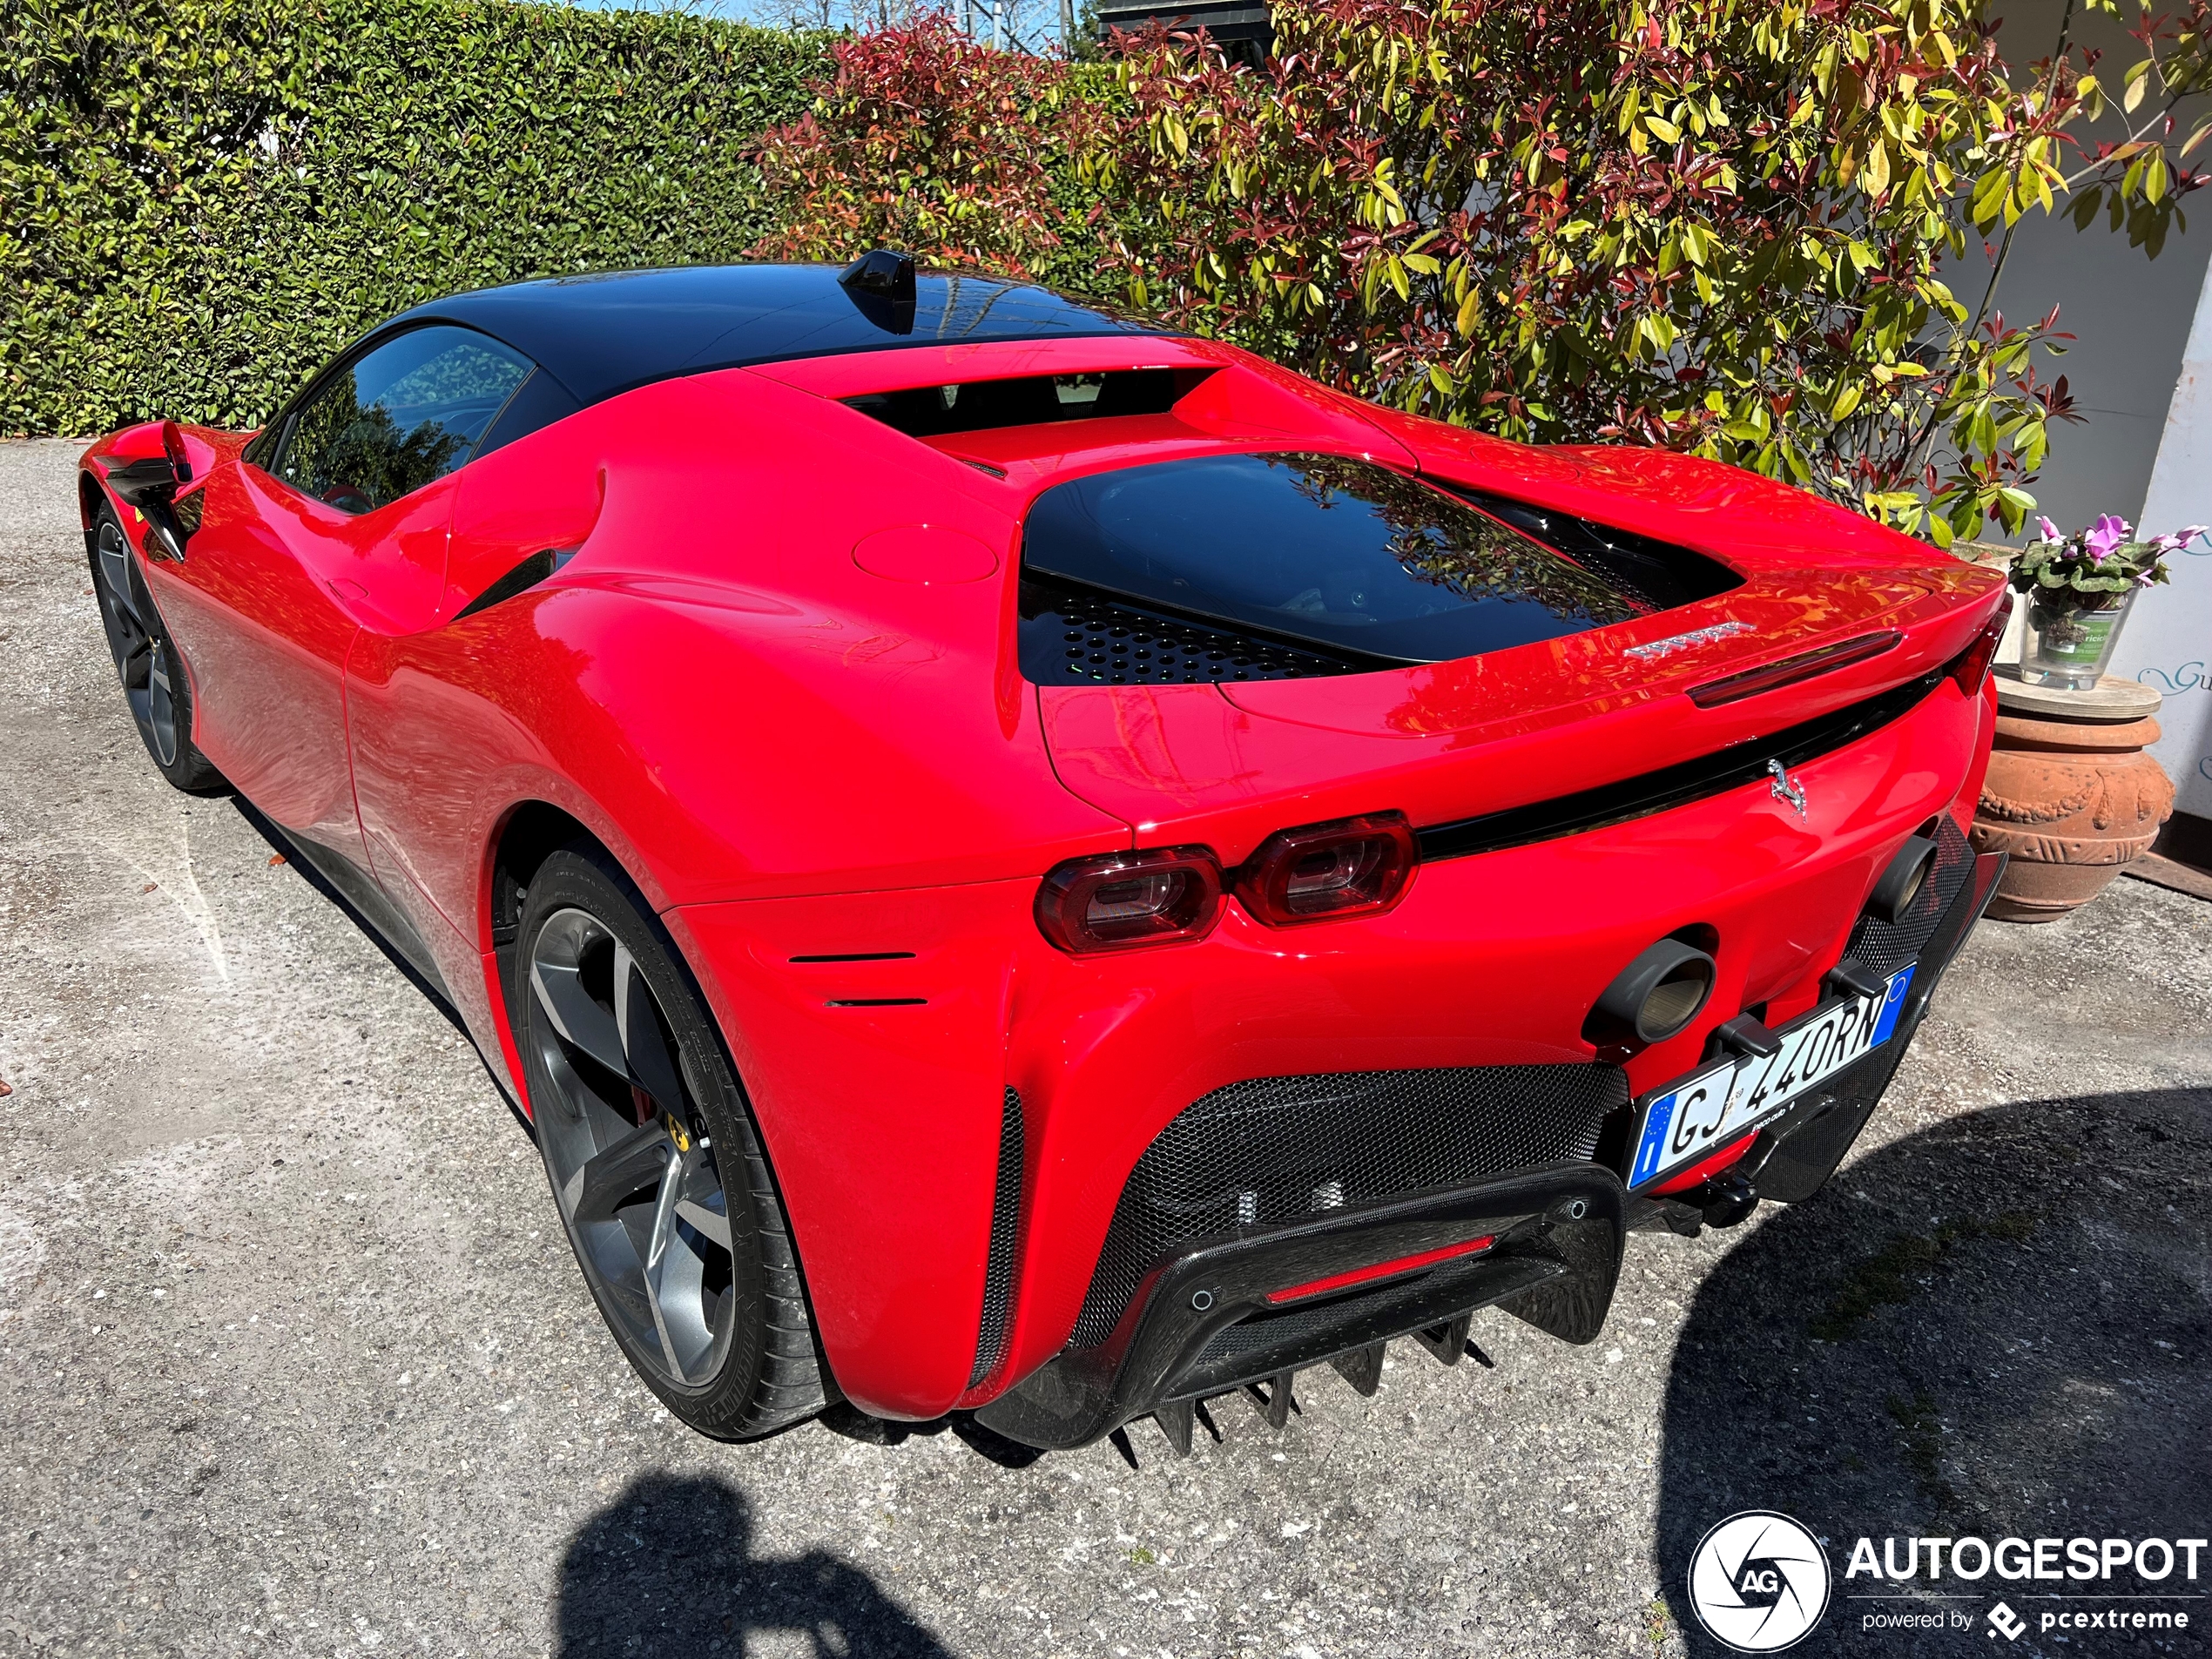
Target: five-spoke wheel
{"type": "Point", "coordinates": [652, 1158]}
{"type": "Point", "coordinates": [633, 1166]}
{"type": "Point", "coordinates": [153, 679]}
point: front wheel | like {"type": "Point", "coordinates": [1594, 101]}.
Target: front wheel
{"type": "Point", "coordinates": [154, 683]}
{"type": "Point", "coordinates": [655, 1166]}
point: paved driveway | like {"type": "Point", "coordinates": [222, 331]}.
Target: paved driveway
{"type": "Point", "coordinates": [292, 1359]}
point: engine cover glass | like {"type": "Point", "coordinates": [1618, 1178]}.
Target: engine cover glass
{"type": "Point", "coordinates": [1327, 549]}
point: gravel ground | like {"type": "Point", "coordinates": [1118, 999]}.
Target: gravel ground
{"type": "Point", "coordinates": [293, 1359]}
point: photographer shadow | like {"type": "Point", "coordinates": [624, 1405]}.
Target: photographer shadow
{"type": "Point", "coordinates": [1999, 1327]}
{"type": "Point", "coordinates": [667, 1571]}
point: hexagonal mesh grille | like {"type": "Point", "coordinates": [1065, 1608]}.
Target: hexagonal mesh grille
{"type": "Point", "coordinates": [1257, 1155]}
{"type": "Point", "coordinates": [1884, 947]}
{"type": "Point", "coordinates": [1073, 638]}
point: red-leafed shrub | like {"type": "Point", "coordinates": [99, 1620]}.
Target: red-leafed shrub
{"type": "Point", "coordinates": [1713, 226]}
{"type": "Point", "coordinates": [926, 140]}
{"type": "Point", "coordinates": [1718, 227]}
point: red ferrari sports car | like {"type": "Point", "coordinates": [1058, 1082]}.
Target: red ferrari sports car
{"type": "Point", "coordinates": [1023, 863]}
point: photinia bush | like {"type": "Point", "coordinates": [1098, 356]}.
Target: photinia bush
{"type": "Point", "coordinates": [924, 139]}
{"type": "Point", "coordinates": [1722, 227]}
{"type": "Point", "coordinates": [1710, 225]}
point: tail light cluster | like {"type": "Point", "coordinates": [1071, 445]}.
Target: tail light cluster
{"type": "Point", "coordinates": [1351, 866]}
{"type": "Point", "coordinates": [1970, 666]}
{"type": "Point", "coordinates": [1122, 900]}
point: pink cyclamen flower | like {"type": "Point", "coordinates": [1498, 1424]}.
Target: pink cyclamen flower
{"type": "Point", "coordinates": [2110, 532]}
{"type": "Point", "coordinates": [2050, 530]}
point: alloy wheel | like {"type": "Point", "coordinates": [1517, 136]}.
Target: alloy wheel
{"type": "Point", "coordinates": [633, 1167]}
{"type": "Point", "coordinates": [136, 640]}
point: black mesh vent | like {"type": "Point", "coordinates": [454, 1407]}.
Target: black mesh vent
{"type": "Point", "coordinates": [1034, 399]}
{"type": "Point", "coordinates": [1259, 1154]}
{"type": "Point", "coordinates": [1077, 637]}
{"type": "Point", "coordinates": [998, 1267]}
{"type": "Point", "coordinates": [1884, 947]}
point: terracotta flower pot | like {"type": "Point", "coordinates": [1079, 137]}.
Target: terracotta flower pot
{"type": "Point", "coordinates": [2072, 801]}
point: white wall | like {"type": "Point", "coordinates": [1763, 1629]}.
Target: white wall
{"type": "Point", "coordinates": [2129, 314]}
{"type": "Point", "coordinates": [2167, 640]}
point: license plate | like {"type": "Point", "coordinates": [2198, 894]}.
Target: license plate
{"type": "Point", "coordinates": [1699, 1115]}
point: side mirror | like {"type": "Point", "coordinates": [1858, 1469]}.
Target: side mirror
{"type": "Point", "coordinates": [149, 484]}
{"type": "Point", "coordinates": [172, 446]}
{"type": "Point", "coordinates": [150, 478]}
{"type": "Point", "coordinates": [139, 479]}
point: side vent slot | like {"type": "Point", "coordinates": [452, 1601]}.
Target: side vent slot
{"type": "Point", "coordinates": [1006, 1218]}
{"type": "Point", "coordinates": [524, 577]}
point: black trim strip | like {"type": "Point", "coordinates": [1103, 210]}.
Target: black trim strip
{"type": "Point", "coordinates": [1790, 671]}
{"type": "Point", "coordinates": [1671, 787]}
{"type": "Point", "coordinates": [370, 904]}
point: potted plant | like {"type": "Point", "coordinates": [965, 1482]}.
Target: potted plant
{"type": "Point", "coordinates": [2080, 587]}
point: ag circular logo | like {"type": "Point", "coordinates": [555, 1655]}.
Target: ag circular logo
{"type": "Point", "coordinates": [1759, 1582]}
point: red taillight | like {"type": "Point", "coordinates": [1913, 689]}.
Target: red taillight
{"type": "Point", "coordinates": [1352, 866]}
{"type": "Point", "coordinates": [1970, 666]}
{"type": "Point", "coordinates": [1122, 900]}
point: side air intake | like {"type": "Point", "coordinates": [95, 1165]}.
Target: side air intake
{"type": "Point", "coordinates": [1006, 1226]}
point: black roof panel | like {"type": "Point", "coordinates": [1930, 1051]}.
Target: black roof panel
{"type": "Point", "coordinates": [602, 333]}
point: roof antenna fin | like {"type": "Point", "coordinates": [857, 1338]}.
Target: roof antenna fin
{"type": "Point", "coordinates": [881, 283]}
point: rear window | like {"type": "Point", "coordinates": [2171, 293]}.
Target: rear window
{"type": "Point", "coordinates": [1359, 566]}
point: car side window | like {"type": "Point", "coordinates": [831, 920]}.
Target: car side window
{"type": "Point", "coordinates": [398, 416]}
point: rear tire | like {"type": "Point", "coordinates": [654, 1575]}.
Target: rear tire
{"type": "Point", "coordinates": [656, 1168]}
{"type": "Point", "coordinates": [155, 682]}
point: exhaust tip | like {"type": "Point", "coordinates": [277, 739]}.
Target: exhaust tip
{"type": "Point", "coordinates": [1902, 880]}
{"type": "Point", "coordinates": [1655, 996]}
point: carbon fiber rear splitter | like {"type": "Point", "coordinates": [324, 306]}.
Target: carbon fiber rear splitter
{"type": "Point", "coordinates": [1203, 1325]}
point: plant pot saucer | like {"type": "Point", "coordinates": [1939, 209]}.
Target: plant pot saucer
{"type": "Point", "coordinates": [2110, 699]}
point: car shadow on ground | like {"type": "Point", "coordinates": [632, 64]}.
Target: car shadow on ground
{"type": "Point", "coordinates": [1996, 1328]}
{"type": "Point", "coordinates": [280, 846]}
{"type": "Point", "coordinates": [667, 1571]}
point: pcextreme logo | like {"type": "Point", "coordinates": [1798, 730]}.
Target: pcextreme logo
{"type": "Point", "coordinates": [1759, 1582]}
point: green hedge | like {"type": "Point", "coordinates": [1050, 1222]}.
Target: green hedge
{"type": "Point", "coordinates": [205, 198]}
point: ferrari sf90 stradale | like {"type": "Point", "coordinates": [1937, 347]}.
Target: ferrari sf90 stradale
{"type": "Point", "coordinates": [1024, 863]}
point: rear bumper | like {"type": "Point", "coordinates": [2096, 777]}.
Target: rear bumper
{"type": "Point", "coordinates": [1203, 1322]}
{"type": "Point", "coordinates": [1793, 1157]}
{"type": "Point", "coordinates": [880, 1034]}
